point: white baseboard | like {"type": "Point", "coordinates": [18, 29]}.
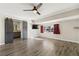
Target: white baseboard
{"type": "Point", "coordinates": [2, 43]}
{"type": "Point", "coordinates": [75, 41]}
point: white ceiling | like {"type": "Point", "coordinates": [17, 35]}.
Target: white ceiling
{"type": "Point", "coordinates": [16, 9]}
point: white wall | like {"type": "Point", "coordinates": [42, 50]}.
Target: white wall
{"type": "Point", "coordinates": [32, 33]}
{"type": "Point", "coordinates": [35, 33]}
{"type": "Point", "coordinates": [68, 33]}
{"type": "Point", "coordinates": [2, 29]}
{"type": "Point", "coordinates": [29, 29]}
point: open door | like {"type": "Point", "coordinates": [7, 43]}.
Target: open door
{"type": "Point", "coordinates": [8, 31]}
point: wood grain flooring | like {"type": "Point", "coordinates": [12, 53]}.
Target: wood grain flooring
{"type": "Point", "coordinates": [40, 47]}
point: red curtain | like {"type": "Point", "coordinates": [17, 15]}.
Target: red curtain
{"type": "Point", "coordinates": [41, 29]}
{"type": "Point", "coordinates": [56, 29]}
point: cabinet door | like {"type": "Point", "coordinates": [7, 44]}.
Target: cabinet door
{"type": "Point", "coordinates": [8, 30]}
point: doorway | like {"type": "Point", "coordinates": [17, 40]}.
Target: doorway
{"type": "Point", "coordinates": [14, 30]}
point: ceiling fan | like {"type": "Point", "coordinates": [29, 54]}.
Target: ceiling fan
{"type": "Point", "coordinates": [35, 8]}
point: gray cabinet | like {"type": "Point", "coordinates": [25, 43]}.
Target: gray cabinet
{"type": "Point", "coordinates": [8, 30]}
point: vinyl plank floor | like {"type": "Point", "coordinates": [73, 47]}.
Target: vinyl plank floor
{"type": "Point", "coordinates": [44, 47]}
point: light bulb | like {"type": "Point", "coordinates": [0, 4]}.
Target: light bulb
{"type": "Point", "coordinates": [35, 11]}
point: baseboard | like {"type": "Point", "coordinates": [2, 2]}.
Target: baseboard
{"type": "Point", "coordinates": [2, 43]}
{"type": "Point", "coordinates": [62, 39]}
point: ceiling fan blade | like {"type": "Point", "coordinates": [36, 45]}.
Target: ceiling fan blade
{"type": "Point", "coordinates": [28, 10]}
{"type": "Point", "coordinates": [39, 5]}
{"type": "Point", "coordinates": [38, 13]}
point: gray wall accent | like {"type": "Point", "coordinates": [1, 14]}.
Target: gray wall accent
{"type": "Point", "coordinates": [24, 30]}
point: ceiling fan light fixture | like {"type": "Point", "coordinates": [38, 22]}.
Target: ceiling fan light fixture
{"type": "Point", "coordinates": [34, 11]}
